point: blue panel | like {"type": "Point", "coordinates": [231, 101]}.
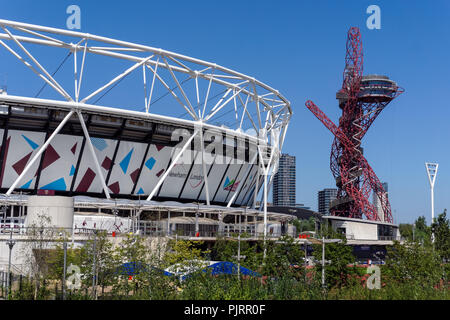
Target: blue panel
{"type": "Point", "coordinates": [72, 171]}
{"type": "Point", "coordinates": [32, 144]}
{"type": "Point", "coordinates": [99, 143]}
{"type": "Point", "coordinates": [140, 191]}
{"type": "Point", "coordinates": [59, 184]}
{"type": "Point", "coordinates": [126, 161]}
{"type": "Point", "coordinates": [26, 185]}
{"type": "Point", "coordinates": [150, 163]}
{"type": "Point", "coordinates": [227, 181]}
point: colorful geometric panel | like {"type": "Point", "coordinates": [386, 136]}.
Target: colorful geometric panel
{"type": "Point", "coordinates": [86, 181]}
{"type": "Point", "coordinates": [74, 148]}
{"type": "Point", "coordinates": [150, 163]}
{"type": "Point", "coordinates": [99, 143]}
{"type": "Point", "coordinates": [107, 162]}
{"type": "Point", "coordinates": [140, 191]}
{"type": "Point", "coordinates": [72, 171]}
{"type": "Point", "coordinates": [134, 175]}
{"type": "Point", "coordinates": [26, 185]}
{"type": "Point", "coordinates": [59, 184]}
{"type": "Point", "coordinates": [159, 147]}
{"type": "Point", "coordinates": [126, 161]}
{"type": "Point", "coordinates": [160, 173]}
{"type": "Point", "coordinates": [230, 185]}
{"type": "Point", "coordinates": [32, 144]}
{"type": "Point", "coordinates": [115, 187]}
{"type": "Point", "coordinates": [50, 156]}
{"type": "Point", "coordinates": [20, 165]}
{"type": "Point", "coordinates": [4, 159]}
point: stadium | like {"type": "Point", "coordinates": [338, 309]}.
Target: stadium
{"type": "Point", "coordinates": [190, 160]}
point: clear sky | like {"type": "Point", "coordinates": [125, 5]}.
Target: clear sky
{"type": "Point", "coordinates": [298, 47]}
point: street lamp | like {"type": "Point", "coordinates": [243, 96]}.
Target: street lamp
{"type": "Point", "coordinates": [94, 268]}
{"type": "Point", "coordinates": [10, 244]}
{"type": "Point", "coordinates": [323, 256]}
{"type": "Point", "coordinates": [432, 169]}
{"type": "Point", "coordinates": [306, 255]}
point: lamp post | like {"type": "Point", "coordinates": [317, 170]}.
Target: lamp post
{"type": "Point", "coordinates": [306, 255]}
{"type": "Point", "coordinates": [94, 293]}
{"type": "Point", "coordinates": [432, 169]}
{"type": "Point", "coordinates": [65, 266]}
{"type": "Point", "coordinates": [323, 256]}
{"type": "Point", "coordinates": [10, 244]}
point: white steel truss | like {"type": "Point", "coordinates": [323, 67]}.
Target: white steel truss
{"type": "Point", "coordinates": [254, 106]}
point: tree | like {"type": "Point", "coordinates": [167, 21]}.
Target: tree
{"type": "Point", "coordinates": [441, 230]}
{"type": "Point", "coordinates": [105, 261]}
{"type": "Point", "coordinates": [281, 257]}
{"type": "Point", "coordinates": [412, 264]}
{"type": "Point", "coordinates": [132, 250]}
{"type": "Point", "coordinates": [41, 236]}
{"type": "Point", "coordinates": [337, 273]}
{"type": "Point", "coordinates": [227, 250]}
{"type": "Point", "coordinates": [422, 233]}
{"type": "Point", "coordinates": [406, 231]}
{"type": "Point", "coordinates": [185, 257]}
{"type": "Point", "coordinates": [303, 225]}
{"type": "Point", "coordinates": [56, 260]}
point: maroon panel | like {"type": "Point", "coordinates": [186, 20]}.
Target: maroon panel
{"type": "Point", "coordinates": [46, 192]}
{"type": "Point", "coordinates": [160, 173]}
{"type": "Point", "coordinates": [134, 175]}
{"type": "Point", "coordinates": [50, 156]}
{"type": "Point", "coordinates": [107, 162]}
{"type": "Point", "coordinates": [74, 148]}
{"type": "Point", "coordinates": [20, 165]}
{"type": "Point", "coordinates": [159, 147]}
{"type": "Point", "coordinates": [115, 187]}
{"type": "Point", "coordinates": [4, 159]}
{"type": "Point", "coordinates": [86, 182]}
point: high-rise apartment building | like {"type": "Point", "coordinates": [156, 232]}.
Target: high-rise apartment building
{"type": "Point", "coordinates": [377, 202]}
{"type": "Point", "coordinates": [284, 182]}
{"type": "Point", "coordinates": [324, 198]}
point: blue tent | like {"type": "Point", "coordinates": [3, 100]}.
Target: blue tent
{"type": "Point", "coordinates": [225, 267]}
{"type": "Point", "coordinates": [133, 268]}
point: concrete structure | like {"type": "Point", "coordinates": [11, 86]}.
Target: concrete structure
{"type": "Point", "coordinates": [359, 231]}
{"type": "Point", "coordinates": [377, 201]}
{"type": "Point", "coordinates": [324, 199]}
{"type": "Point", "coordinates": [284, 182]}
{"type": "Point", "coordinates": [58, 210]}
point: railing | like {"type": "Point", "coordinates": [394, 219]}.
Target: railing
{"type": "Point", "coordinates": [55, 233]}
{"type": "Point", "coordinates": [388, 238]}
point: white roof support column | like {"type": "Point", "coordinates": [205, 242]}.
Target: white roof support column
{"type": "Point", "coordinates": [241, 184]}
{"type": "Point", "coordinates": [174, 161]}
{"type": "Point", "coordinates": [205, 173]}
{"type": "Point", "coordinates": [94, 156]}
{"type": "Point", "coordinates": [37, 155]}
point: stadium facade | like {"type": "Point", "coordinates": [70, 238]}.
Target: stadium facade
{"type": "Point", "coordinates": [213, 160]}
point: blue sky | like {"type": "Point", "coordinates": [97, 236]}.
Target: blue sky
{"type": "Point", "coordinates": [298, 47]}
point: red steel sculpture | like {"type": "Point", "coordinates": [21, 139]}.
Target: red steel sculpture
{"type": "Point", "coordinates": [361, 99]}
